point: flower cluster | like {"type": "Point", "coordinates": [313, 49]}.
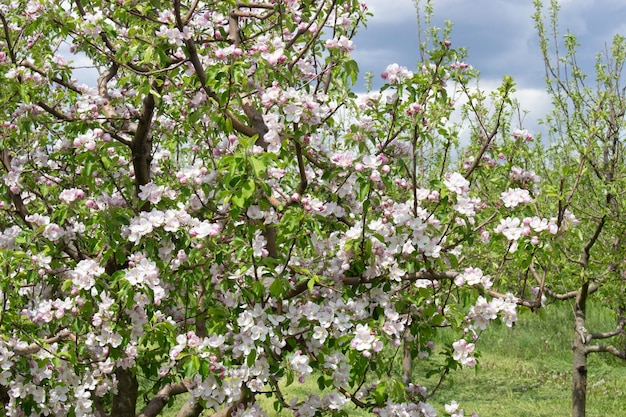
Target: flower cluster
{"type": "Point", "coordinates": [514, 229]}
{"type": "Point", "coordinates": [483, 311]}
{"type": "Point", "coordinates": [395, 74]}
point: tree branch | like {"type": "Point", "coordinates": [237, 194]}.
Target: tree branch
{"type": "Point", "coordinates": [141, 145]}
{"type": "Point", "coordinates": [607, 349]}
{"type": "Point", "coordinates": [569, 295]}
{"type": "Point", "coordinates": [160, 400]}
{"type": "Point", "coordinates": [191, 408]}
{"type": "Point", "coordinates": [192, 54]}
{"type": "Point", "coordinates": [605, 335]}
{"type": "Point", "coordinates": [592, 241]}
{"type": "Point", "coordinates": [36, 347]}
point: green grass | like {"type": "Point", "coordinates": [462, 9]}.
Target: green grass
{"type": "Point", "coordinates": [524, 372]}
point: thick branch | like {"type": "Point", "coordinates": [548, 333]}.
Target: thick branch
{"type": "Point", "coordinates": [57, 80]}
{"type": "Point", "coordinates": [247, 5]}
{"type": "Point", "coordinates": [141, 145]}
{"type": "Point", "coordinates": [7, 37]}
{"type": "Point", "coordinates": [228, 411]}
{"type": "Point", "coordinates": [301, 171]}
{"type": "Point", "coordinates": [256, 119]}
{"type": "Point", "coordinates": [160, 400]}
{"type": "Point", "coordinates": [54, 112]}
{"type": "Point", "coordinates": [192, 54]}
{"type": "Point", "coordinates": [191, 408]}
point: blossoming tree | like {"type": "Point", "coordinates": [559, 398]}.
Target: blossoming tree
{"type": "Point", "coordinates": [219, 212]}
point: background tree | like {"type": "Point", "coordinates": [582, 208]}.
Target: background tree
{"type": "Point", "coordinates": [582, 178]}
{"type": "Point", "coordinates": [587, 167]}
{"type": "Point", "coordinates": [219, 211]}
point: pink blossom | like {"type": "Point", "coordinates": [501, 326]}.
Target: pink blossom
{"type": "Point", "coordinates": [342, 43]}
{"type": "Point", "coordinates": [204, 229]}
{"type": "Point", "coordinates": [363, 338]}
{"type": "Point", "coordinates": [463, 352]}
{"type": "Point", "coordinates": [71, 194]}
{"type": "Point", "coordinates": [509, 227]}
{"type": "Point", "coordinates": [515, 196]}
{"type": "Point", "coordinates": [456, 183]}
{"type": "Point", "coordinates": [151, 192]}
{"type": "Point", "coordinates": [300, 363]}
{"type": "Point", "coordinates": [395, 74]}
{"type": "Point", "coordinates": [473, 276]}
{"type": "Point", "coordinates": [53, 232]}
{"type": "Point", "coordinates": [84, 274]}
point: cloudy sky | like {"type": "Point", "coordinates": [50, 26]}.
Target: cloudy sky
{"type": "Point", "coordinates": [499, 35]}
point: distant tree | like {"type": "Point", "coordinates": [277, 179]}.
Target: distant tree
{"type": "Point", "coordinates": [584, 173]}
{"type": "Point", "coordinates": [219, 211]}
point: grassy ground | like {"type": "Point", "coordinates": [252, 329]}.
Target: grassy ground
{"type": "Point", "coordinates": [524, 372]}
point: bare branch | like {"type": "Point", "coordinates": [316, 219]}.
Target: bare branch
{"type": "Point", "coordinates": [592, 241]}
{"type": "Point", "coordinates": [301, 170]}
{"type": "Point", "coordinates": [191, 408]}
{"type": "Point", "coordinates": [607, 349]}
{"type": "Point", "coordinates": [619, 329]}
{"type": "Point", "coordinates": [267, 6]}
{"type": "Point", "coordinates": [488, 139]}
{"type": "Point", "coordinates": [141, 145]}
{"type": "Point", "coordinates": [192, 54]}
{"type": "Point", "coordinates": [521, 302]}
{"type": "Point", "coordinates": [569, 295]}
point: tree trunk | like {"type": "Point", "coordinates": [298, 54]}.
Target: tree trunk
{"type": "Point", "coordinates": [125, 401]}
{"type": "Point", "coordinates": [407, 363]}
{"type": "Point", "coordinates": [579, 360]}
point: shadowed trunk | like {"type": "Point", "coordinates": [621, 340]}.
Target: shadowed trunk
{"type": "Point", "coordinates": [579, 361]}
{"type": "Point", "coordinates": [125, 401]}
{"type": "Point", "coordinates": [407, 363]}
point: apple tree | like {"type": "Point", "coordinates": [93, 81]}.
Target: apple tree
{"type": "Point", "coordinates": [218, 212]}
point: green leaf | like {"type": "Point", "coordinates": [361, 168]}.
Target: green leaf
{"type": "Point", "coordinates": [251, 359]}
{"type": "Point", "coordinates": [147, 54]}
{"type": "Point", "coordinates": [192, 366]}
{"type": "Point", "coordinates": [257, 165]}
{"type": "Point", "coordinates": [380, 393]}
